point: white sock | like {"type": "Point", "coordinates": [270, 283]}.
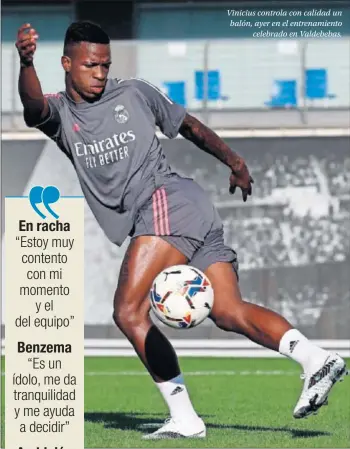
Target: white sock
{"type": "Point", "coordinates": [176, 396]}
{"type": "Point", "coordinates": [296, 346]}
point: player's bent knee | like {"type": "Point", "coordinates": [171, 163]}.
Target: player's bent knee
{"type": "Point", "coordinates": [223, 321]}
{"type": "Point", "coordinates": [127, 316]}
{"type": "Point", "coordinates": [228, 320]}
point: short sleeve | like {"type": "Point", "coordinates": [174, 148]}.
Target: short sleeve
{"type": "Point", "coordinates": [168, 114]}
{"type": "Point", "coordinates": [51, 126]}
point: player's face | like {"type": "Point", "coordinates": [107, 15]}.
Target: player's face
{"type": "Point", "coordinates": [88, 68]}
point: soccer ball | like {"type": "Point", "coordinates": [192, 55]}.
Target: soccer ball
{"type": "Point", "coordinates": [181, 296]}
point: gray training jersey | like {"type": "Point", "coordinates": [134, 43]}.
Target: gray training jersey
{"type": "Point", "coordinates": [114, 149]}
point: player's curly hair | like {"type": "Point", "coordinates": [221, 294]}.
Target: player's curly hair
{"type": "Point", "coordinates": [84, 31]}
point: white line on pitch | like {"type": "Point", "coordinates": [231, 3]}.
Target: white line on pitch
{"type": "Point", "coordinates": [198, 373]}
{"type": "Point", "coordinates": [195, 373]}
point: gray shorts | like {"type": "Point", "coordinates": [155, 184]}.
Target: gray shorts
{"type": "Point", "coordinates": [182, 214]}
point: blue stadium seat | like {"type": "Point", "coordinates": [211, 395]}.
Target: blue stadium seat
{"type": "Point", "coordinates": [284, 94]}
{"type": "Point", "coordinates": [176, 91]}
{"type": "Point", "coordinates": [214, 85]}
{"type": "Point", "coordinates": [316, 84]}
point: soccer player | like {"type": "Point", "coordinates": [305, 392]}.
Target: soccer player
{"type": "Point", "coordinates": [106, 127]}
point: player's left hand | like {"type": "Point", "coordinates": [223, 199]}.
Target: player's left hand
{"type": "Point", "coordinates": [240, 177]}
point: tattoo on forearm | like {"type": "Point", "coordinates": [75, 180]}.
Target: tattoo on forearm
{"type": "Point", "coordinates": [208, 141]}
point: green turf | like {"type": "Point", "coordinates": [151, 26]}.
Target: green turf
{"type": "Point", "coordinates": [240, 410]}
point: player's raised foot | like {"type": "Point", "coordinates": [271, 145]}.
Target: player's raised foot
{"type": "Point", "coordinates": [318, 384]}
{"type": "Point", "coordinates": [178, 429]}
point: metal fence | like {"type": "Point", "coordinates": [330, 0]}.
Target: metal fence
{"type": "Point", "coordinates": [227, 83]}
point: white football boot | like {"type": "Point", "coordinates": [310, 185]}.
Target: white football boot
{"type": "Point", "coordinates": [317, 386]}
{"type": "Point", "coordinates": [176, 429]}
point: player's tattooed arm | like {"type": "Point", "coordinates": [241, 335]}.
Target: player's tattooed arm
{"type": "Point", "coordinates": [207, 140]}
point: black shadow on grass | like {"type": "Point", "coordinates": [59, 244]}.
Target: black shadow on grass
{"type": "Point", "coordinates": [151, 421]}
{"type": "Point", "coordinates": [128, 421]}
{"type": "Point", "coordinates": [295, 433]}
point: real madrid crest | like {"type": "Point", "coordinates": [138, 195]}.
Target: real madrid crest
{"type": "Point", "coordinates": [121, 115]}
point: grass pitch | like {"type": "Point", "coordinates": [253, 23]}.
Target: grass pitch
{"type": "Point", "coordinates": [244, 402]}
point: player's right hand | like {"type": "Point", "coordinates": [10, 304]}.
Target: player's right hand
{"type": "Point", "coordinates": [26, 43]}
{"type": "Point", "coordinates": [240, 177]}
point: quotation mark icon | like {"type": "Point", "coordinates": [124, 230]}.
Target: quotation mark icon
{"type": "Point", "coordinates": [45, 196]}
